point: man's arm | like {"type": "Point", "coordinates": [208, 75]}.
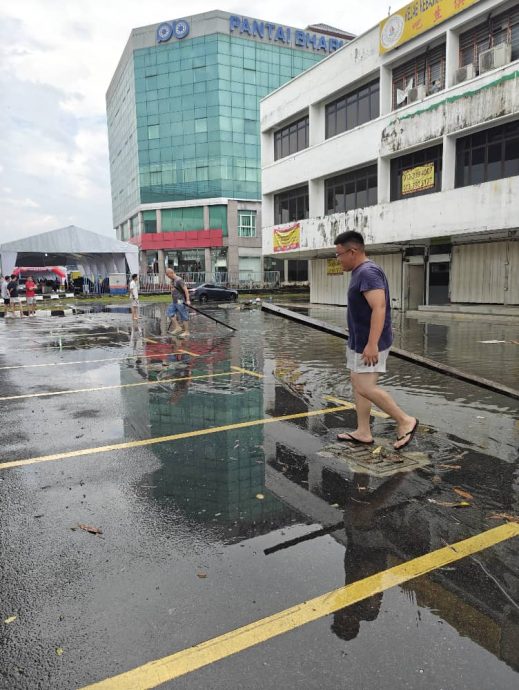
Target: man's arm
{"type": "Point", "coordinates": [377, 301]}
{"type": "Point", "coordinates": [186, 293]}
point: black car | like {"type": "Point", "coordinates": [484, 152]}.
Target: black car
{"type": "Point", "coordinates": [210, 292]}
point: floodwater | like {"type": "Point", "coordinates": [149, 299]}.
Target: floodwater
{"type": "Point", "coordinates": [223, 519]}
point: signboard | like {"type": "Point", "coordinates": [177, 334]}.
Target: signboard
{"type": "Point", "coordinates": [117, 283]}
{"type": "Point", "coordinates": [267, 31]}
{"type": "Point", "coordinates": [416, 18]}
{"type": "Point", "coordinates": [286, 239]}
{"type": "Point", "coordinates": [333, 267]}
{"type": "Point", "coordinates": [417, 179]}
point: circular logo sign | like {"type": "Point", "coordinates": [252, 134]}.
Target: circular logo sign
{"type": "Point", "coordinates": [181, 29]}
{"type": "Point", "coordinates": [392, 31]}
{"type": "Point", "coordinates": [164, 32]}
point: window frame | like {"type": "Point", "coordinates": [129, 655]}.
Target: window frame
{"type": "Point", "coordinates": [252, 215]}
{"type": "Point", "coordinates": [421, 69]}
{"type": "Point", "coordinates": [336, 111]}
{"type": "Point", "coordinates": [431, 154]}
{"type": "Point", "coordinates": [347, 180]}
{"type": "Point", "coordinates": [482, 143]}
{"type": "Point", "coordinates": [296, 199]}
{"type": "Point", "coordinates": [292, 138]}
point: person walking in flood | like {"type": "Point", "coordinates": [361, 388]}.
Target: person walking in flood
{"type": "Point", "coordinates": [178, 309]}
{"type": "Point", "coordinates": [370, 339]}
{"type": "Point", "coordinates": [134, 296]}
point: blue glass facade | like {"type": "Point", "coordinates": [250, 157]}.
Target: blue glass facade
{"type": "Point", "coordinates": [197, 108]}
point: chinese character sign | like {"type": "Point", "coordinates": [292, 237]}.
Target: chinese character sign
{"type": "Point", "coordinates": [286, 239]}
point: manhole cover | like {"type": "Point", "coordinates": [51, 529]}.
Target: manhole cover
{"type": "Point", "coordinates": [378, 460]}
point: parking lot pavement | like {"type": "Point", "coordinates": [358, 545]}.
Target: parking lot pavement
{"type": "Point", "coordinates": [158, 493]}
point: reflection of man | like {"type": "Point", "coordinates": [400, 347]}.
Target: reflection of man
{"type": "Point", "coordinates": [134, 296]}
{"type": "Point", "coordinates": [178, 309]}
{"type": "Point", "coordinates": [370, 338]}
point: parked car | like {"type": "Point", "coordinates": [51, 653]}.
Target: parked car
{"type": "Point", "coordinates": [215, 293]}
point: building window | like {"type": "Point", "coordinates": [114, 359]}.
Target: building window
{"type": "Point", "coordinates": [503, 28]}
{"type": "Point", "coordinates": [417, 173]}
{"type": "Point", "coordinates": [427, 70]}
{"type": "Point", "coordinates": [149, 219]}
{"type": "Point", "coordinates": [291, 205]}
{"type": "Point", "coordinates": [488, 155]}
{"type": "Point", "coordinates": [134, 226]}
{"type": "Point", "coordinates": [356, 189]}
{"type": "Point", "coordinates": [182, 219]}
{"type": "Point", "coordinates": [218, 219]}
{"type": "Point", "coordinates": [353, 109]}
{"type": "Point", "coordinates": [297, 270]}
{"type": "Point", "coordinates": [292, 138]}
{"type": "Point", "coordinates": [246, 223]}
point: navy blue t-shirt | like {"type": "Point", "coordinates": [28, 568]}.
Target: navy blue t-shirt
{"type": "Point", "coordinates": [367, 276]}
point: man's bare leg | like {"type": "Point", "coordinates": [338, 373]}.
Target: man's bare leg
{"type": "Point", "coordinates": [363, 408]}
{"type": "Point", "coordinates": [366, 386]}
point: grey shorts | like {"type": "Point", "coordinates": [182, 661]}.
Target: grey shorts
{"type": "Point", "coordinates": [134, 302]}
{"type": "Point", "coordinates": [31, 300]}
{"type": "Point", "coordinates": [356, 364]}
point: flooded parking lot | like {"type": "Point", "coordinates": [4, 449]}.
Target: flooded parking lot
{"type": "Point", "coordinates": [206, 465]}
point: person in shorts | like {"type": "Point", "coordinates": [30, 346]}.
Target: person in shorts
{"type": "Point", "coordinates": [370, 339]}
{"type": "Point", "coordinates": [134, 296]}
{"type": "Point", "coordinates": [12, 287]}
{"type": "Point", "coordinates": [178, 309]}
{"type": "Point", "coordinates": [5, 294]}
{"type": "Point", "coordinates": [30, 294]}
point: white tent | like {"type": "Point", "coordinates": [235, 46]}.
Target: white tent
{"type": "Point", "coordinates": [94, 254]}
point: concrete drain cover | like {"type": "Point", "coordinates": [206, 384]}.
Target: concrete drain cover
{"type": "Point", "coordinates": [378, 460]}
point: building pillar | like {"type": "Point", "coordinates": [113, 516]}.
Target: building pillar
{"type": "Point", "coordinates": [208, 267]}
{"type": "Point", "coordinates": [317, 123]}
{"type": "Point", "coordinates": [267, 211]}
{"type": "Point", "coordinates": [448, 163]}
{"type": "Point", "coordinates": [143, 262]}
{"type": "Point", "coordinates": [316, 198]}
{"type": "Point", "coordinates": [206, 217]}
{"type": "Point", "coordinates": [233, 261]}
{"type": "Point", "coordinates": [383, 180]}
{"type": "Point", "coordinates": [267, 148]}
{"type": "Point", "coordinates": [452, 57]}
{"type": "Point", "coordinates": [386, 90]}
{"type": "Point", "coordinates": [159, 220]}
{"type": "Point", "coordinates": [285, 271]}
{"type": "Point", "coordinates": [161, 257]}
{"type": "Point", "coordinates": [140, 223]}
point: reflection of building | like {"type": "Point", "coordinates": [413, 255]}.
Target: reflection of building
{"type": "Point", "coordinates": [183, 127]}
{"type": "Point", "coordinates": [417, 148]}
{"type": "Point", "coordinates": [384, 522]}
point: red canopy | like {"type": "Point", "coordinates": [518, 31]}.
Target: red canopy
{"type": "Point", "coordinates": [60, 271]}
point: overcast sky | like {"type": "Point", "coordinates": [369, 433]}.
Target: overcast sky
{"type": "Point", "coordinates": [56, 60]}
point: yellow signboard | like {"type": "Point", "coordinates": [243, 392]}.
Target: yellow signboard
{"type": "Point", "coordinates": [286, 239]}
{"type": "Point", "coordinates": [417, 179]}
{"type": "Point", "coordinates": [333, 267]}
{"type": "Point", "coordinates": [416, 18]}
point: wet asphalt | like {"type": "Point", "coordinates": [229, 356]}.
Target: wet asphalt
{"type": "Point", "coordinates": [203, 534]}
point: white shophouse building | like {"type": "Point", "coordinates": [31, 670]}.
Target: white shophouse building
{"type": "Point", "coordinates": [414, 143]}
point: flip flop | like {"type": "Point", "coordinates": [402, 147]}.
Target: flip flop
{"type": "Point", "coordinates": [409, 436]}
{"type": "Point", "coordinates": [352, 439]}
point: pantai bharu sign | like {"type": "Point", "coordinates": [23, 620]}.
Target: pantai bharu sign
{"type": "Point", "coordinates": [418, 179]}
{"type": "Point", "coordinates": [284, 35]}
{"type": "Point", "coordinates": [416, 18]}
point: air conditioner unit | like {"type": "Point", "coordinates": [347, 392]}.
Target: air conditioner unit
{"type": "Point", "coordinates": [498, 56]}
{"type": "Point", "coordinates": [417, 94]}
{"type": "Point", "coordinates": [464, 73]}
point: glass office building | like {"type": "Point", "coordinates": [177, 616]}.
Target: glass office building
{"type": "Point", "coordinates": [183, 126]}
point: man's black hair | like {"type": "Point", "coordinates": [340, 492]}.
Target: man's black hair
{"type": "Point", "coordinates": [350, 237]}
{"type": "Point", "coordinates": [135, 275]}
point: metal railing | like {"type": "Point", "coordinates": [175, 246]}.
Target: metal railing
{"type": "Point", "coordinates": [153, 283]}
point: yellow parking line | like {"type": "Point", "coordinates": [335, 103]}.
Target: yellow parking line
{"type": "Point", "coordinates": [247, 371]}
{"type": "Point", "coordinates": [165, 439]}
{"type": "Point", "coordinates": [352, 406]}
{"type": "Point", "coordinates": [117, 386]}
{"type": "Point", "coordinates": [160, 671]}
{"type": "Point", "coordinates": [105, 359]}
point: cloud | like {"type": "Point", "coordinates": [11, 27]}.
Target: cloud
{"type": "Point", "coordinates": [57, 60]}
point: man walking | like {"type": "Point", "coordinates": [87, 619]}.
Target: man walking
{"type": "Point", "coordinates": [134, 296]}
{"type": "Point", "coordinates": [178, 310]}
{"type": "Point", "coordinates": [12, 288]}
{"type": "Point", "coordinates": [370, 338]}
